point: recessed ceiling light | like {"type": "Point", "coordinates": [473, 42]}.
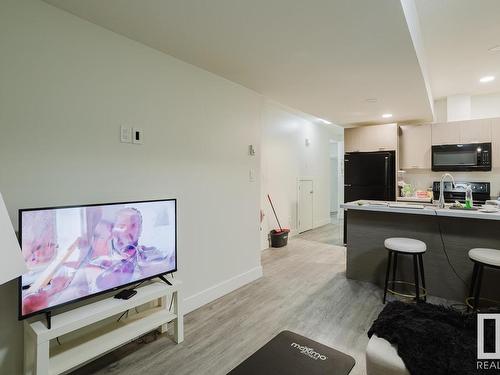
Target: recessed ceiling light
{"type": "Point", "coordinates": [487, 79]}
{"type": "Point", "coordinates": [494, 49]}
{"type": "Point", "coordinates": [387, 115]}
{"type": "Point", "coordinates": [325, 121]}
{"type": "Point", "coordinates": [371, 100]}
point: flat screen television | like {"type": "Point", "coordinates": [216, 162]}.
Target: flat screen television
{"type": "Point", "coordinates": [77, 252]}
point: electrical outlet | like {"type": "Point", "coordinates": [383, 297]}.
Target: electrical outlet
{"type": "Point", "coordinates": [125, 134]}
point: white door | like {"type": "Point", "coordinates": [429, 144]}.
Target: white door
{"type": "Point", "coordinates": [306, 195]}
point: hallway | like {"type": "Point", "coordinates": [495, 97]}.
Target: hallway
{"type": "Point", "coordinates": [331, 234]}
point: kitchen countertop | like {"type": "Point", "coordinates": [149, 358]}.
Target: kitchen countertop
{"type": "Point", "coordinates": [414, 199]}
{"type": "Point", "coordinates": [401, 208]}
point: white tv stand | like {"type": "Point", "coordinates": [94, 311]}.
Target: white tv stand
{"type": "Point", "coordinates": [97, 335]}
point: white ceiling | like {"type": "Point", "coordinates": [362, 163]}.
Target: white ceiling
{"type": "Point", "coordinates": [322, 57]}
{"type": "Point", "coordinates": [457, 35]}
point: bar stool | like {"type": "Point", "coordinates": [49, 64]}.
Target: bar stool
{"type": "Point", "coordinates": [405, 246]}
{"type": "Point", "coordinates": [481, 258]}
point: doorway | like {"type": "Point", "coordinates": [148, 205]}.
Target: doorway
{"type": "Point", "coordinates": [306, 197]}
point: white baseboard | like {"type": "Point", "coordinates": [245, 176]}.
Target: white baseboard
{"type": "Point", "coordinates": [208, 295]}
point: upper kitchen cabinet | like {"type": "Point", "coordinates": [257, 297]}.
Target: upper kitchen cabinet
{"type": "Point", "coordinates": [471, 131]}
{"type": "Point", "coordinates": [371, 138]}
{"type": "Point", "coordinates": [415, 146]}
{"type": "Point", "coordinates": [475, 131]}
{"type": "Point", "coordinates": [352, 139]}
{"type": "Point", "coordinates": [495, 142]}
{"type": "Point", "coordinates": [446, 133]}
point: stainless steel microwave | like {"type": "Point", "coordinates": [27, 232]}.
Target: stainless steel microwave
{"type": "Point", "coordinates": [465, 157]}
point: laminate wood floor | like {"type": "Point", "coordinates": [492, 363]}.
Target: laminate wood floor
{"type": "Point", "coordinates": [332, 233]}
{"type": "Point", "coordinates": [304, 289]}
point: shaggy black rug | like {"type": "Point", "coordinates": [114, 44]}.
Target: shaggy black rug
{"type": "Point", "coordinates": [430, 339]}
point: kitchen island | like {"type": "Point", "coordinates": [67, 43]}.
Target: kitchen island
{"type": "Point", "coordinates": [449, 235]}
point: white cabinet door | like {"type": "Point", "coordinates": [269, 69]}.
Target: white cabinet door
{"type": "Point", "coordinates": [352, 139]}
{"type": "Point", "coordinates": [475, 131]}
{"type": "Point", "coordinates": [446, 133]}
{"type": "Point", "coordinates": [495, 142]}
{"type": "Point", "coordinates": [371, 138]}
{"type": "Point", "coordinates": [471, 131]}
{"type": "Point", "coordinates": [415, 147]}
{"type": "Point", "coordinates": [367, 139]}
{"type": "Point", "coordinates": [385, 137]}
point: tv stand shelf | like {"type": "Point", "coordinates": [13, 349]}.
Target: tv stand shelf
{"type": "Point", "coordinates": [100, 335]}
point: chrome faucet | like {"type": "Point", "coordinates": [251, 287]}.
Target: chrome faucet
{"type": "Point", "coordinates": [441, 189]}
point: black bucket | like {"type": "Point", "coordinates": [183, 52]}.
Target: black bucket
{"type": "Point", "coordinates": [279, 239]}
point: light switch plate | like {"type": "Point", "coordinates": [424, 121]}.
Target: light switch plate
{"type": "Point", "coordinates": [137, 136]}
{"type": "Point", "coordinates": [125, 134]}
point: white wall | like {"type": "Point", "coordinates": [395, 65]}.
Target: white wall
{"type": "Point", "coordinates": [458, 108]}
{"type": "Point", "coordinates": [485, 106]}
{"type": "Point", "coordinates": [467, 107]}
{"type": "Point", "coordinates": [337, 175]}
{"type": "Point", "coordinates": [334, 176]}
{"type": "Point", "coordinates": [286, 158]}
{"type": "Point", "coordinates": [440, 110]}
{"type": "Point", "coordinates": [341, 177]}
{"type": "Point", "coordinates": [66, 87]}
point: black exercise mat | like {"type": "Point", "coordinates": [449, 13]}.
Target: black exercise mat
{"type": "Point", "coordinates": [292, 354]}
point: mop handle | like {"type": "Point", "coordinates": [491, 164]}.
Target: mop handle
{"type": "Point", "coordinates": [276, 216]}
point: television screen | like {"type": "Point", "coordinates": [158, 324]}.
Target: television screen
{"type": "Point", "coordinates": [76, 252]}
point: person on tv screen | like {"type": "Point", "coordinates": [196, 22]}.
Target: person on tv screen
{"type": "Point", "coordinates": [135, 260]}
{"type": "Point", "coordinates": [39, 243]}
{"type": "Point", "coordinates": [109, 256]}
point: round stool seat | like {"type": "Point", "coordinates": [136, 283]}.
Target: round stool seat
{"type": "Point", "coordinates": [405, 245]}
{"type": "Point", "coordinates": [489, 257]}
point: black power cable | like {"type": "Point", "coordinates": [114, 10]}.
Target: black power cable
{"type": "Point", "coordinates": [121, 316]}
{"type": "Point", "coordinates": [444, 250]}
{"type": "Point", "coordinates": [138, 285]}
{"type": "Point", "coordinates": [461, 307]}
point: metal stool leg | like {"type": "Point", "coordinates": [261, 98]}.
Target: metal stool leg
{"type": "Point", "coordinates": [415, 271]}
{"type": "Point", "coordinates": [394, 269]}
{"type": "Point", "coordinates": [422, 275]}
{"type": "Point", "coordinates": [478, 287]}
{"type": "Point", "coordinates": [389, 258]}
{"type": "Point", "coordinates": [473, 283]}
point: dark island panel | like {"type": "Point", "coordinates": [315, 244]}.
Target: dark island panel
{"type": "Point", "coordinates": [367, 257]}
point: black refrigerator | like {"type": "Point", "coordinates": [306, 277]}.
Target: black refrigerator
{"type": "Point", "coordinates": [370, 176]}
